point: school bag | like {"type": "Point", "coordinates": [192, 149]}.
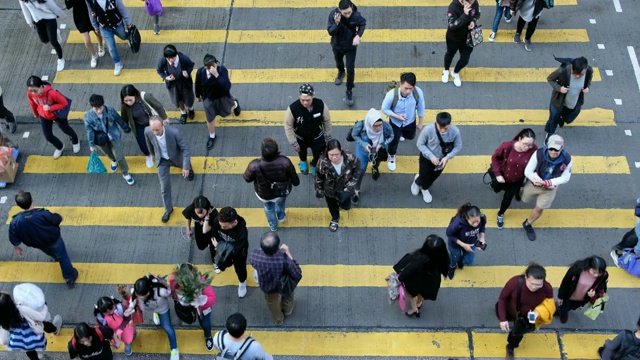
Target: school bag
{"type": "Point", "coordinates": [394, 85]}
{"type": "Point", "coordinates": [224, 353]}
{"type": "Point", "coordinates": [98, 332]}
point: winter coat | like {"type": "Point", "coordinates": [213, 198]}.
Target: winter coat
{"type": "Point", "coordinates": [329, 183]}
{"type": "Point", "coordinates": [279, 170]}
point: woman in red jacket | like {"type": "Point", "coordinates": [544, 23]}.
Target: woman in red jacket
{"type": "Point", "coordinates": [508, 163]}
{"type": "Point", "coordinates": [44, 102]}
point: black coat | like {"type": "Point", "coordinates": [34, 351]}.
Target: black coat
{"type": "Point", "coordinates": [418, 276]}
{"type": "Point", "coordinates": [570, 282]}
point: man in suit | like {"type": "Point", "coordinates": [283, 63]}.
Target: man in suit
{"type": "Point", "coordinates": [168, 148]}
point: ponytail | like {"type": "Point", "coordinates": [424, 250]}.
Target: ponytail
{"type": "Point", "coordinates": [468, 211]}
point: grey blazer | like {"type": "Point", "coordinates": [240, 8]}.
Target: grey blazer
{"type": "Point", "coordinates": [177, 148]}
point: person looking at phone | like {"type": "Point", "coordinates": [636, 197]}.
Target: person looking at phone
{"type": "Point", "coordinates": [462, 17]}
{"type": "Point", "coordinates": [466, 234]}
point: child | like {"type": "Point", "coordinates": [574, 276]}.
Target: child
{"type": "Point", "coordinates": [175, 69]}
{"type": "Point", "coordinates": [154, 8]}
{"type": "Point", "coordinates": [110, 312]}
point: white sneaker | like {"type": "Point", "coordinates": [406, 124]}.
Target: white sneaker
{"type": "Point", "coordinates": [391, 164]}
{"type": "Point", "coordinates": [426, 196]}
{"type": "Point", "coordinates": [94, 62]}
{"type": "Point", "coordinates": [101, 51]}
{"type": "Point", "coordinates": [57, 153]}
{"type": "Point", "coordinates": [175, 355]}
{"type": "Point", "coordinates": [114, 166]}
{"type": "Point", "coordinates": [415, 188]}
{"type": "Point", "coordinates": [456, 79]}
{"type": "Point", "coordinates": [129, 179]}
{"type": "Point", "coordinates": [242, 289]}
{"type": "Point", "coordinates": [60, 65]}
{"type": "Point", "coordinates": [614, 256]}
{"type": "Point", "coordinates": [156, 318]}
{"type": "Point", "coordinates": [216, 269]}
{"type": "Point", "coordinates": [117, 69]}
{"type": "Point", "coordinates": [492, 37]}
{"type": "Point", "coordinates": [445, 76]}
{"type": "Point", "coordinates": [57, 322]}
{"type": "Point", "coordinates": [402, 138]}
{"type": "Point", "coordinates": [149, 161]}
{"type": "Point", "coordinates": [255, 277]}
{"type": "Point", "coordinates": [76, 147]}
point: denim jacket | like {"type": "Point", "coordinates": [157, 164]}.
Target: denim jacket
{"type": "Point", "coordinates": [93, 123]}
{"type": "Point", "coordinates": [359, 133]}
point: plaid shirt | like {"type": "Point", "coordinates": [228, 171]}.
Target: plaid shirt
{"type": "Point", "coordinates": [271, 267]}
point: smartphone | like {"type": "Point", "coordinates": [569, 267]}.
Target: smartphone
{"type": "Point", "coordinates": [532, 317]}
{"type": "Point", "coordinates": [481, 245]}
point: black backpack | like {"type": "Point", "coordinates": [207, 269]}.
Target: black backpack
{"type": "Point", "coordinates": [629, 241]}
{"type": "Point", "coordinates": [224, 354]}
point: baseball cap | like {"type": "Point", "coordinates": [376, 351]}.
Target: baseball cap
{"type": "Point", "coordinates": [555, 142]}
{"type": "Point", "coordinates": [307, 89]}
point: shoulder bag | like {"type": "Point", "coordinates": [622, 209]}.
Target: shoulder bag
{"type": "Point", "coordinates": [286, 284]}
{"type": "Point", "coordinates": [493, 181]}
{"type": "Point", "coordinates": [62, 113]}
{"type": "Point", "coordinates": [278, 188]}
{"type": "Point", "coordinates": [446, 147]}
{"type": "Point", "coordinates": [521, 324]}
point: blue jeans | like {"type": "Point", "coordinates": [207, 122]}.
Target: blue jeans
{"type": "Point", "coordinates": [458, 253]}
{"type": "Point", "coordinates": [500, 10]}
{"type": "Point", "coordinates": [560, 117]}
{"type": "Point", "coordinates": [274, 209]}
{"type": "Point", "coordinates": [58, 251]}
{"type": "Point", "coordinates": [109, 37]}
{"type": "Point", "coordinates": [205, 324]}
{"type": "Point", "coordinates": [165, 322]}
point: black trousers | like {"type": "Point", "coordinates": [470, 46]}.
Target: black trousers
{"type": "Point", "coordinates": [510, 190]}
{"type": "Point", "coordinates": [351, 64]}
{"type": "Point", "coordinates": [48, 33]}
{"type": "Point", "coordinates": [454, 46]}
{"type": "Point", "coordinates": [427, 173]}
{"type": "Point", "coordinates": [317, 147]}
{"type": "Point", "coordinates": [5, 113]}
{"type": "Point", "coordinates": [530, 29]}
{"type": "Point", "coordinates": [239, 262]}
{"type": "Point", "coordinates": [568, 305]}
{"type": "Point", "coordinates": [408, 132]}
{"type": "Point", "coordinates": [48, 328]}
{"type": "Point", "coordinates": [335, 204]}
{"type": "Point", "coordinates": [63, 124]}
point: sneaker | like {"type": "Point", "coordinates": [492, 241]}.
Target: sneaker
{"type": "Point", "coordinates": [516, 38]}
{"type": "Point", "coordinates": [71, 283]}
{"type": "Point", "coordinates": [531, 234]}
{"type": "Point", "coordinates": [57, 153]}
{"type": "Point", "coordinates": [216, 269]}
{"type": "Point", "coordinates": [242, 289]}
{"type": "Point", "coordinates": [255, 277]}
{"type": "Point", "coordinates": [156, 318]}
{"type": "Point", "coordinates": [492, 37]}
{"type": "Point", "coordinates": [527, 45]}
{"type": "Point", "coordinates": [273, 228]}
{"type": "Point", "coordinates": [175, 354]}
{"type": "Point", "coordinates": [304, 167]}
{"type": "Point", "coordinates": [76, 148]}
{"type": "Point", "coordinates": [507, 20]}
{"type": "Point", "coordinates": [456, 79]}
{"type": "Point", "coordinates": [57, 322]}
{"type": "Point", "coordinates": [129, 179]}
{"type": "Point", "coordinates": [114, 166]}
{"type": "Point", "coordinates": [117, 69]}
{"type": "Point", "coordinates": [156, 30]}
{"type": "Point", "coordinates": [60, 65]}
{"type": "Point", "coordinates": [426, 196]}
{"type": "Point", "coordinates": [415, 188]}
{"type": "Point", "coordinates": [94, 62]}
{"type": "Point", "coordinates": [237, 110]}
{"type": "Point", "coordinates": [149, 161]}
{"type": "Point", "coordinates": [127, 349]}
{"type": "Point", "coordinates": [614, 256]}
{"type": "Point", "coordinates": [279, 322]}
{"type": "Point", "coordinates": [313, 171]}
{"type": "Point", "coordinates": [402, 138]}
{"type": "Point", "coordinates": [500, 222]}
{"type": "Point", "coordinates": [564, 317]}
{"type": "Point", "coordinates": [283, 218]}
{"type": "Point", "coordinates": [101, 51]}
{"type": "Point", "coordinates": [183, 118]}
{"type": "Point", "coordinates": [350, 101]}
{"type": "Point", "coordinates": [391, 164]}
{"type": "Point", "coordinates": [510, 355]}
{"type": "Point", "coordinates": [208, 342]}
{"type": "Point", "coordinates": [210, 142]}
{"type": "Point", "coordinates": [375, 174]}
{"type": "Point", "coordinates": [445, 76]}
{"type": "Point", "coordinates": [546, 138]}
{"type": "Point", "coordinates": [339, 78]}
{"type": "Point", "coordinates": [355, 199]}
{"type": "Point", "coordinates": [192, 114]}
{"type": "Point", "coordinates": [451, 273]}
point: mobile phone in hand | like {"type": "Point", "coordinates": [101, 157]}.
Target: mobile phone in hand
{"type": "Point", "coordinates": [481, 245]}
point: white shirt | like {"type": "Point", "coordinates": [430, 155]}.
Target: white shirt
{"type": "Point", "coordinates": [338, 167]}
{"type": "Point", "coordinates": [162, 143]}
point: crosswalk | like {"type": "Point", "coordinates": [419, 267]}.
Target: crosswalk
{"type": "Point", "coordinates": [362, 272]}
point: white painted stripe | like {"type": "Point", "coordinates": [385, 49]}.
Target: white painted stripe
{"type": "Point", "coordinates": [25, 135]}
{"type": "Point", "coordinates": [63, 26]}
{"type": "Point", "coordinates": [637, 164]}
{"type": "Point", "coordinates": [609, 72]}
{"type": "Point", "coordinates": [53, 51]}
{"type": "Point", "coordinates": [44, 77]}
{"type": "Point", "coordinates": [593, 21]}
{"type": "Point", "coordinates": [3, 200]}
{"type": "Point", "coordinates": [618, 101]}
{"type": "Point", "coordinates": [634, 63]}
{"type": "Point", "coordinates": [616, 3]}
{"type": "Point", "coordinates": [601, 46]}
{"type": "Point", "coordinates": [627, 132]}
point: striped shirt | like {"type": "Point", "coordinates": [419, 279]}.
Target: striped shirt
{"type": "Point", "coordinates": [23, 338]}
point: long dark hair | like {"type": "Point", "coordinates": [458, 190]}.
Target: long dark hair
{"type": "Point", "coordinates": [526, 132]}
{"type": "Point", "coordinates": [82, 331]}
{"type": "Point", "coordinates": [332, 144]}
{"type": "Point", "coordinates": [435, 250]}
{"type": "Point", "coordinates": [9, 313]}
{"type": "Point", "coordinates": [592, 262]}
{"type": "Point", "coordinates": [129, 90]}
{"type": "Point", "coordinates": [201, 202]}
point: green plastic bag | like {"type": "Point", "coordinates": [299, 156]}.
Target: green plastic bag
{"type": "Point", "coordinates": [95, 165]}
{"type": "Point", "coordinates": [592, 311]}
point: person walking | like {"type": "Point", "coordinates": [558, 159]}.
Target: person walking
{"type": "Point", "coordinates": [213, 89]}
{"type": "Point", "coordinates": [421, 272]}
{"type": "Point", "coordinates": [39, 228]}
{"type": "Point", "coordinates": [101, 124]}
{"type": "Point", "coordinates": [272, 261]}
{"type": "Point", "coordinates": [136, 107]}
{"type": "Point", "coordinates": [462, 17]}
{"type": "Point", "coordinates": [438, 143]}
{"type": "Point", "coordinates": [508, 163]}
{"type": "Point", "coordinates": [110, 18]}
{"type": "Point", "coordinates": [338, 172]}
{"type": "Point", "coordinates": [502, 9]}
{"type": "Point", "coordinates": [624, 345]}
{"type": "Point", "coordinates": [529, 11]}
{"type": "Point", "coordinates": [232, 341]}
{"type": "Point", "coordinates": [401, 105]}
{"type": "Point", "coordinates": [466, 234]}
{"type": "Point", "coordinates": [567, 96]}
{"type": "Point", "coordinates": [346, 26]}
{"type": "Point", "coordinates": [585, 282]}
{"type": "Point", "coordinates": [81, 19]}
{"type": "Point", "coordinates": [7, 116]}
{"type": "Point", "coordinates": [548, 168]}
{"type": "Point", "coordinates": [200, 212]}
{"type": "Point", "coordinates": [272, 176]}
{"type": "Point", "coordinates": [92, 342]}
{"type": "Point", "coordinates": [519, 302]}
{"type": "Point", "coordinates": [168, 148]}
{"type": "Point", "coordinates": [46, 104]}
{"type": "Point", "coordinates": [373, 137]}
{"type": "Point", "coordinates": [41, 15]}
{"type": "Point", "coordinates": [175, 69]}
{"type": "Point", "coordinates": [307, 124]}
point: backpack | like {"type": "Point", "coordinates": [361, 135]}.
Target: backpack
{"type": "Point", "coordinates": [629, 241]}
{"type": "Point", "coordinates": [224, 354]}
{"type": "Point", "coordinates": [394, 85]}
{"type": "Point", "coordinates": [627, 350]}
{"type": "Point", "coordinates": [548, 4]}
{"type": "Point", "coordinates": [98, 332]}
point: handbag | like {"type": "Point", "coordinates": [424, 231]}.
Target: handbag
{"type": "Point", "coordinates": [134, 39]}
{"type": "Point", "coordinates": [493, 181]}
{"type": "Point", "coordinates": [286, 284]}
{"type": "Point", "coordinates": [592, 311]}
{"type": "Point", "coordinates": [95, 165]}
{"type": "Point", "coordinates": [350, 137]}
{"type": "Point", "coordinates": [474, 38]}
{"type": "Point", "coordinates": [278, 188]}
{"type": "Point", "coordinates": [61, 113]}
{"type": "Point", "coordinates": [186, 313]}
{"type": "Point", "coordinates": [153, 7]}
{"type": "Point", "coordinates": [224, 254]}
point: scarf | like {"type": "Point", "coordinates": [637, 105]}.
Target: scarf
{"type": "Point", "coordinates": [376, 137]}
{"type": "Point", "coordinates": [35, 318]}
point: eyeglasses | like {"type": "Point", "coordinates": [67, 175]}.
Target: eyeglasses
{"type": "Point", "coordinates": [334, 155]}
{"type": "Point", "coordinates": [527, 145]}
{"type": "Point", "coordinates": [554, 150]}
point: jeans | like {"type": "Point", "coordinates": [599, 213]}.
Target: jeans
{"type": "Point", "coordinates": [363, 155]}
{"type": "Point", "coordinates": [142, 143]}
{"type": "Point", "coordinates": [115, 152]}
{"type": "Point", "coordinates": [559, 117]}
{"type": "Point", "coordinates": [351, 64]}
{"type": "Point", "coordinates": [408, 132]}
{"type": "Point", "coordinates": [500, 10]}
{"type": "Point", "coordinates": [458, 253]}
{"type": "Point", "coordinates": [530, 29]}
{"type": "Point", "coordinates": [109, 37]}
{"type": "Point", "coordinates": [48, 33]}
{"type": "Point", "coordinates": [317, 147]}
{"type": "Point", "coordinates": [63, 124]}
{"type": "Point", "coordinates": [58, 252]}
{"type": "Point", "coordinates": [427, 173]}
{"type": "Point", "coordinates": [454, 46]}
{"type": "Point", "coordinates": [205, 324]}
{"type": "Point", "coordinates": [165, 322]}
{"type": "Point", "coordinates": [274, 210]}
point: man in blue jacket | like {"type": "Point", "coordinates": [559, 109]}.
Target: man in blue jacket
{"type": "Point", "coordinates": [40, 229]}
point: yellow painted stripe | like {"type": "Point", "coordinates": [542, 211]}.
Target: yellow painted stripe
{"type": "Point", "coordinates": [356, 218]}
{"type": "Point", "coordinates": [588, 117]}
{"type": "Point", "coordinates": [322, 37]}
{"type": "Point", "coordinates": [313, 275]}
{"type": "Point", "coordinates": [578, 346]}
{"type": "Point", "coordinates": [468, 164]}
{"type": "Point", "coordinates": [533, 346]}
{"type": "Point", "coordinates": [296, 4]}
{"type": "Point", "coordinates": [364, 75]}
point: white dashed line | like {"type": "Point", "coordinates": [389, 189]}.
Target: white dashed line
{"type": "Point", "coordinates": [627, 132]}
{"type": "Point", "coordinates": [45, 77]}
{"type": "Point", "coordinates": [634, 64]}
{"type": "Point", "coordinates": [63, 26]}
{"type": "Point", "coordinates": [53, 51]}
{"type": "Point", "coordinates": [25, 135]}
{"type": "Point", "coordinates": [638, 164]}
{"type": "Point", "coordinates": [593, 21]}
{"type": "Point", "coordinates": [601, 46]}
{"type": "Point", "coordinates": [609, 72]}
{"type": "Point", "coordinates": [3, 200]}
{"type": "Point", "coordinates": [618, 101]}
{"type": "Point", "coordinates": [616, 3]}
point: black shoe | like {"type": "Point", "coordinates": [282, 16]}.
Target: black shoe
{"type": "Point", "coordinates": [183, 118]}
{"type": "Point", "coordinates": [510, 355]}
{"type": "Point", "coordinates": [72, 283]}
{"type": "Point", "coordinates": [339, 78]}
{"type": "Point", "coordinates": [451, 273]}
{"type": "Point", "coordinates": [416, 314]}
{"type": "Point", "coordinates": [350, 98]}
{"type": "Point", "coordinates": [531, 234]}
{"type": "Point", "coordinates": [237, 109]}
{"type": "Point", "coordinates": [166, 216]}
{"type": "Point", "coordinates": [208, 342]}
{"type": "Point", "coordinates": [564, 318]}
{"type": "Point", "coordinates": [355, 199]}
{"type": "Point", "coordinates": [192, 114]}
{"type": "Point", "coordinates": [210, 143]}
{"type": "Point", "coordinates": [375, 174]}
{"type": "Point", "coordinates": [191, 175]}
{"type": "Point", "coordinates": [12, 127]}
{"type": "Point", "coordinates": [460, 264]}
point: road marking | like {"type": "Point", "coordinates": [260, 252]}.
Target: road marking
{"type": "Point", "coordinates": [609, 72]}
{"type": "Point", "coordinates": [587, 218]}
{"type": "Point", "coordinates": [25, 135]}
{"type": "Point", "coordinates": [44, 77]}
{"type": "Point", "coordinates": [634, 64]}
{"type": "Point", "coordinates": [618, 101]}
{"type": "Point", "coordinates": [579, 346]}
{"type": "Point", "coordinates": [328, 4]}
{"type": "Point", "coordinates": [627, 132]}
{"type": "Point", "coordinates": [601, 46]}
{"type": "Point", "coordinates": [637, 164]}
{"type": "Point", "coordinates": [467, 164]}
{"type": "Point", "coordinates": [63, 26]}
{"type": "Point", "coordinates": [293, 75]}
{"type": "Point", "coordinates": [588, 117]}
{"type": "Point", "coordinates": [53, 52]}
{"type": "Point", "coordinates": [593, 21]}
{"type": "Point", "coordinates": [3, 200]}
{"type": "Point", "coordinates": [616, 3]}
{"type": "Point", "coordinates": [491, 345]}
{"type": "Point", "coordinates": [321, 36]}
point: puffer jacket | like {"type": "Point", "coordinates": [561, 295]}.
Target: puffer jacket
{"type": "Point", "coordinates": [328, 182]}
{"type": "Point", "coordinates": [279, 170]}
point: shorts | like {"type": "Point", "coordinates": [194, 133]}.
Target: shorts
{"type": "Point", "coordinates": [218, 107]}
{"type": "Point", "coordinates": [544, 197]}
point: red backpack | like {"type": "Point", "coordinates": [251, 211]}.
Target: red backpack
{"type": "Point", "coordinates": [98, 332]}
